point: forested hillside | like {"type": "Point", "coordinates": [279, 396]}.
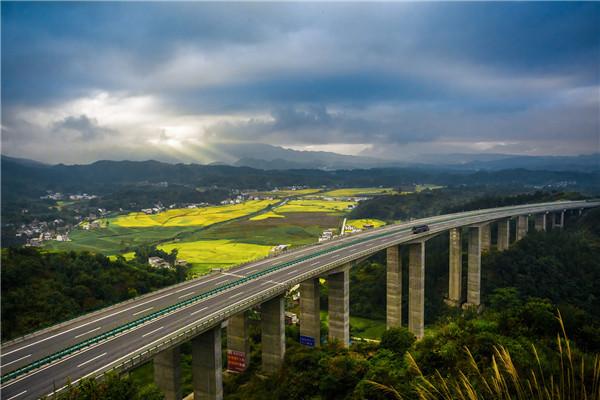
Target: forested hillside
{"type": "Point", "coordinates": [41, 289]}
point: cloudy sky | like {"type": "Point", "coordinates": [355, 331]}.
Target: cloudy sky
{"type": "Point", "coordinates": [89, 81]}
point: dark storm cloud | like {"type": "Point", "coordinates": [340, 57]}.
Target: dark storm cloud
{"type": "Point", "coordinates": [289, 73]}
{"type": "Point", "coordinates": [85, 128]}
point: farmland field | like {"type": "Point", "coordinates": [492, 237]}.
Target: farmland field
{"type": "Point", "coordinates": [350, 192]}
{"type": "Point", "coordinates": [320, 206]}
{"type": "Point", "coordinates": [191, 216]}
{"type": "Point", "coordinates": [360, 223]}
{"type": "Point", "coordinates": [115, 239]}
{"type": "Point", "coordinates": [295, 229]}
{"type": "Point", "coordinates": [269, 214]}
{"type": "Point", "coordinates": [206, 254]}
{"type": "Point", "coordinates": [219, 236]}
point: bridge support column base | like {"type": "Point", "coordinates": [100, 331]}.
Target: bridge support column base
{"type": "Point", "coordinates": [272, 315]}
{"type": "Point", "coordinates": [470, 306]}
{"type": "Point", "coordinates": [451, 303]}
{"type": "Point", "coordinates": [167, 373]}
{"type": "Point", "coordinates": [207, 369]}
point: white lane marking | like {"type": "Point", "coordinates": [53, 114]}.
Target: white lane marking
{"type": "Point", "coordinates": [108, 316]}
{"type": "Point", "coordinates": [201, 283]}
{"type": "Point", "coordinates": [236, 275]}
{"type": "Point", "coordinates": [315, 263]}
{"type": "Point", "coordinates": [185, 295]}
{"type": "Point", "coordinates": [292, 272]}
{"type": "Point", "coordinates": [151, 332]}
{"type": "Point", "coordinates": [17, 360]}
{"type": "Point", "coordinates": [91, 359]}
{"type": "Point", "coordinates": [140, 312]}
{"type": "Point", "coordinates": [17, 395]}
{"type": "Point", "coordinates": [197, 311]}
{"type": "Point", "coordinates": [83, 334]}
{"type": "Point", "coordinates": [236, 295]}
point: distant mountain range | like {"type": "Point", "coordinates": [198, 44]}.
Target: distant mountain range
{"type": "Point", "coordinates": [264, 156]}
{"type": "Point", "coordinates": [269, 157]}
{"type": "Point", "coordinates": [21, 177]}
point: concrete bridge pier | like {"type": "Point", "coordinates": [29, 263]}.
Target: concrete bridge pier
{"type": "Point", "coordinates": [562, 219]}
{"type": "Point", "coordinates": [394, 288]}
{"type": "Point", "coordinates": [503, 234]}
{"type": "Point", "coordinates": [339, 305]}
{"type": "Point", "coordinates": [272, 315]}
{"type": "Point", "coordinates": [310, 307]}
{"type": "Point", "coordinates": [455, 268]}
{"type": "Point", "coordinates": [207, 368]}
{"type": "Point", "coordinates": [167, 373]}
{"type": "Point", "coordinates": [416, 288]}
{"type": "Point", "coordinates": [238, 342]}
{"type": "Point", "coordinates": [540, 222]}
{"type": "Point", "coordinates": [474, 267]}
{"type": "Point", "coordinates": [486, 238]}
{"type": "Point", "coordinates": [522, 226]}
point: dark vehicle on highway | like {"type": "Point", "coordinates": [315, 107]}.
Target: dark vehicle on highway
{"type": "Point", "coordinates": [420, 228]}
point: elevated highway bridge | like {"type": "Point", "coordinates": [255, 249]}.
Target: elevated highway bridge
{"type": "Point", "coordinates": [153, 326]}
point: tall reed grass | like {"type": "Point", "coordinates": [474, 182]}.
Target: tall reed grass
{"type": "Point", "coordinates": [502, 380]}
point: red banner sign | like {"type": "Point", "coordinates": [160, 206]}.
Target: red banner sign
{"type": "Point", "coordinates": [236, 361]}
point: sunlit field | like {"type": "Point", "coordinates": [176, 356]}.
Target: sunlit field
{"type": "Point", "coordinates": [266, 215]}
{"type": "Point", "coordinates": [350, 192]}
{"type": "Point", "coordinates": [206, 254]}
{"type": "Point", "coordinates": [360, 223]}
{"type": "Point", "coordinates": [322, 206]}
{"type": "Point", "coordinates": [191, 216]}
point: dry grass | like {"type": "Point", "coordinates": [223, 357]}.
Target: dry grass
{"type": "Point", "coordinates": [502, 380]}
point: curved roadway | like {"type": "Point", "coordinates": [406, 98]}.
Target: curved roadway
{"type": "Point", "coordinates": [139, 343]}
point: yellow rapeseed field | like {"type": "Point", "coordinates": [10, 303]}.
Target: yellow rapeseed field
{"type": "Point", "coordinates": [360, 223]}
{"type": "Point", "coordinates": [269, 214]}
{"type": "Point", "coordinates": [324, 206]}
{"type": "Point", "coordinates": [191, 216]}
{"type": "Point", "coordinates": [206, 254]}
